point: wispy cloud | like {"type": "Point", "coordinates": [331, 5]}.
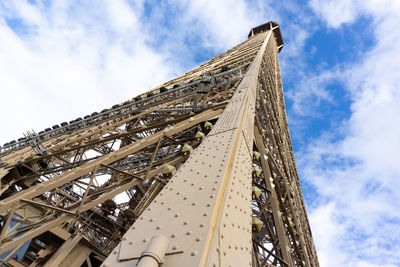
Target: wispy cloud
{"type": "Point", "coordinates": [354, 169]}
{"type": "Point", "coordinates": [61, 60]}
{"type": "Point", "coordinates": [98, 53]}
{"type": "Point", "coordinates": [336, 13]}
{"type": "Point", "coordinates": [311, 90]}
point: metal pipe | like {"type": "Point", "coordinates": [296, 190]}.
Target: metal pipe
{"type": "Point", "coordinates": [154, 254]}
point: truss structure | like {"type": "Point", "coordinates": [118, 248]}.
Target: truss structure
{"type": "Point", "coordinates": [199, 171]}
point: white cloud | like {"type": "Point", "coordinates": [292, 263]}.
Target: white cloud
{"type": "Point", "coordinates": [63, 61]}
{"type": "Point", "coordinates": [226, 22]}
{"type": "Point", "coordinates": [60, 55]}
{"type": "Point", "coordinates": [121, 16]}
{"type": "Point", "coordinates": [325, 232]}
{"type": "Point", "coordinates": [336, 12]}
{"type": "Point", "coordinates": [310, 91]}
{"type": "Point", "coordinates": [66, 61]}
{"type": "Point", "coordinates": [355, 168]}
{"type": "Point", "coordinates": [92, 55]}
{"type": "Point", "coordinates": [22, 9]}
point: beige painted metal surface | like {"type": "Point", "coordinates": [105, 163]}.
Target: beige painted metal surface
{"type": "Point", "coordinates": [205, 209]}
{"type": "Point", "coordinates": [184, 158]}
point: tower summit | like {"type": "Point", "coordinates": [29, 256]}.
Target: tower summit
{"type": "Point", "coordinates": [198, 171]}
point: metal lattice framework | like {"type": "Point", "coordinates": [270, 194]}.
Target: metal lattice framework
{"type": "Point", "coordinates": [203, 162]}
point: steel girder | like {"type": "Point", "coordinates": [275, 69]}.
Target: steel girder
{"type": "Point", "coordinates": [105, 177]}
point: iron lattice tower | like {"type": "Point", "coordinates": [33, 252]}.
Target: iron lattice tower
{"type": "Point", "coordinates": [199, 171]}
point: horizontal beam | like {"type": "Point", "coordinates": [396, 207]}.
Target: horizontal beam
{"type": "Point", "coordinates": [39, 189]}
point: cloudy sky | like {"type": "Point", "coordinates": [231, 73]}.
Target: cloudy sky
{"type": "Point", "coordinates": [60, 60]}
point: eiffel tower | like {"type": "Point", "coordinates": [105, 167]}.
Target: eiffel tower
{"type": "Point", "coordinates": [198, 171]}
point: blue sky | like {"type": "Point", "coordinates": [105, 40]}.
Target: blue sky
{"type": "Point", "coordinates": [340, 68]}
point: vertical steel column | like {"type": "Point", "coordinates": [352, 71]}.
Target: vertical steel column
{"type": "Point", "coordinates": [283, 240]}
{"type": "Point", "coordinates": [205, 210]}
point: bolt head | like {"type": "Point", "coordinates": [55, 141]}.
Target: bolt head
{"type": "Point", "coordinates": [194, 253]}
